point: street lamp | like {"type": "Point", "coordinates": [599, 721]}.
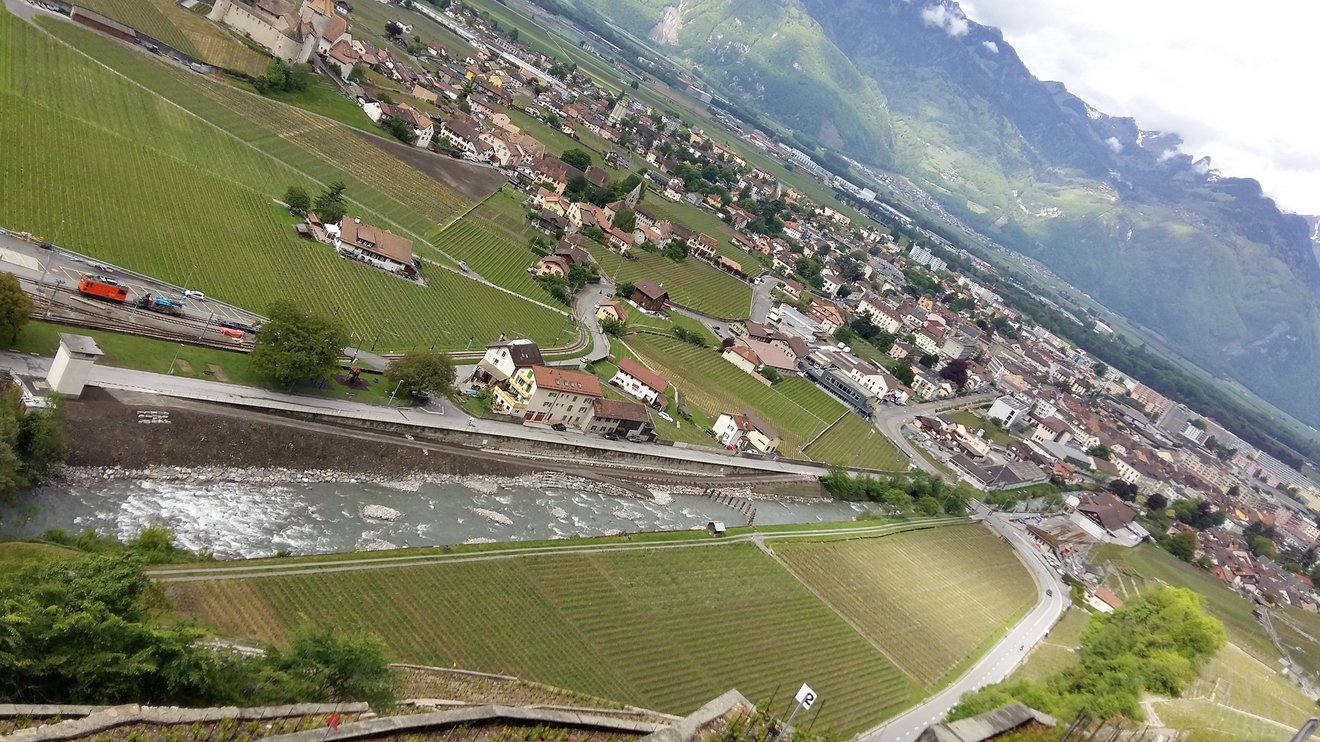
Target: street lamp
{"type": "Point", "coordinates": [174, 359]}
{"type": "Point", "coordinates": [188, 280]}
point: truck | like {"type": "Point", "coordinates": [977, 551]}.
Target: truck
{"type": "Point", "coordinates": [103, 289]}
{"type": "Point", "coordinates": [161, 304]}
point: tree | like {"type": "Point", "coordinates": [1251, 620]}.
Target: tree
{"type": "Point", "coordinates": [1263, 546]}
{"type": "Point", "coordinates": [513, 34]}
{"type": "Point", "coordinates": [1099, 450]}
{"type": "Point", "coordinates": [1181, 545]}
{"type": "Point", "coordinates": [633, 84]}
{"type": "Point", "coordinates": [15, 307]}
{"type": "Point", "coordinates": [625, 220]}
{"type": "Point", "coordinates": [928, 506]}
{"type": "Point", "coordinates": [955, 371]}
{"type": "Point", "coordinates": [424, 372]}
{"type": "Point", "coordinates": [297, 345]}
{"type": "Point", "coordinates": [577, 158]}
{"type": "Point", "coordinates": [326, 667]}
{"type": "Point", "coordinates": [1100, 369]}
{"type": "Point", "coordinates": [771, 374]}
{"type": "Point", "coordinates": [329, 203]}
{"type": "Point", "coordinates": [904, 374]}
{"type": "Point", "coordinates": [612, 327]}
{"type": "Point", "coordinates": [1156, 501]}
{"type": "Point", "coordinates": [297, 199]}
{"type": "Point", "coordinates": [624, 289]}
{"type": "Point", "coordinates": [40, 444]}
{"type": "Point", "coordinates": [400, 130]}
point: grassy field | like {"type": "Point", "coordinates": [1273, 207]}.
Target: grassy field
{"type": "Point", "coordinates": [1058, 650]}
{"type": "Point", "coordinates": [682, 626]}
{"type": "Point", "coordinates": [492, 240]}
{"type": "Point", "coordinates": [852, 441]}
{"type": "Point", "coordinates": [158, 356]}
{"type": "Point", "coordinates": [691, 282]}
{"type": "Point", "coordinates": [795, 407]}
{"type": "Point", "coordinates": [159, 188]}
{"type": "Point", "coordinates": [190, 33]}
{"type": "Point", "coordinates": [1147, 563]}
{"type": "Point", "coordinates": [1300, 632]}
{"type": "Point", "coordinates": [930, 599]}
{"type": "Point", "coordinates": [974, 422]}
{"type": "Point", "coordinates": [19, 553]}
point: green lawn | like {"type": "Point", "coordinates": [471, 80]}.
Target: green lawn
{"type": "Point", "coordinates": [158, 356]}
{"type": "Point", "coordinates": [795, 407]}
{"type": "Point", "coordinates": [934, 600]}
{"type": "Point", "coordinates": [18, 553]}
{"type": "Point", "coordinates": [852, 441]}
{"type": "Point", "coordinates": [690, 282]}
{"type": "Point", "coordinates": [974, 422]}
{"type": "Point", "coordinates": [324, 98]}
{"type": "Point", "coordinates": [666, 630]}
{"type": "Point", "coordinates": [1148, 563]}
{"type": "Point", "coordinates": [183, 174]}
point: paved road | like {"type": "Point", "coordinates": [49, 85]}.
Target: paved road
{"type": "Point", "coordinates": [762, 299]}
{"type": "Point", "coordinates": [890, 421]}
{"type": "Point", "coordinates": [584, 313]}
{"type": "Point", "coordinates": [446, 418]}
{"type": "Point", "coordinates": [1003, 658]}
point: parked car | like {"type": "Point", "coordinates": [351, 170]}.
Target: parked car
{"type": "Point", "coordinates": [664, 416]}
{"type": "Point", "coordinates": [559, 426]}
{"type": "Point", "coordinates": [610, 436]}
{"type": "Point", "coordinates": [194, 294]}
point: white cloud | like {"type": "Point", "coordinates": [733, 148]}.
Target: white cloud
{"type": "Point", "coordinates": [991, 46]}
{"type": "Point", "coordinates": [1234, 84]}
{"type": "Point", "coordinates": [949, 19]}
{"type": "Point", "coordinates": [1114, 144]}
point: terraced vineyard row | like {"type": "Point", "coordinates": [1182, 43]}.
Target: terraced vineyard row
{"type": "Point", "coordinates": [931, 599]}
{"type": "Point", "coordinates": [852, 441]}
{"type": "Point", "coordinates": [492, 255]}
{"type": "Point", "coordinates": [681, 627]}
{"type": "Point", "coordinates": [690, 282]}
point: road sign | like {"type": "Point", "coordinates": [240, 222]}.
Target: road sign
{"type": "Point", "coordinates": [805, 697]}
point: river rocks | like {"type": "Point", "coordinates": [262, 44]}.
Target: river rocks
{"type": "Point", "coordinates": [380, 513]}
{"type": "Point", "coordinates": [494, 517]}
{"type": "Point", "coordinates": [375, 544]}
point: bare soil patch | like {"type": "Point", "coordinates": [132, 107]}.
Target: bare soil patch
{"type": "Point", "coordinates": [471, 180]}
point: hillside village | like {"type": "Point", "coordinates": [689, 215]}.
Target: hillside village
{"type": "Point", "coordinates": [873, 320]}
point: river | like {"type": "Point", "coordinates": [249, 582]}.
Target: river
{"type": "Point", "coordinates": [234, 521]}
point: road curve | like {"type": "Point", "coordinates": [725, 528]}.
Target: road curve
{"type": "Point", "coordinates": [1002, 659]}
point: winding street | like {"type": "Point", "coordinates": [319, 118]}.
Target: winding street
{"type": "Point", "coordinates": [890, 422]}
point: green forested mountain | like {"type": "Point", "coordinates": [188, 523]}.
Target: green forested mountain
{"type": "Point", "coordinates": [915, 87]}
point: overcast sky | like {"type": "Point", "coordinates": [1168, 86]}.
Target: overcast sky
{"type": "Point", "coordinates": [1237, 80]}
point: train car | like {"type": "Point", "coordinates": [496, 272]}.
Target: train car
{"type": "Point", "coordinates": [161, 304]}
{"type": "Point", "coordinates": [231, 332]}
{"type": "Point", "coordinates": [103, 289]}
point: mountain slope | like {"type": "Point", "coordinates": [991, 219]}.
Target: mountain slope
{"type": "Point", "coordinates": [1208, 262]}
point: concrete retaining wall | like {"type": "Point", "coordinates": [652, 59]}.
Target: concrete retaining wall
{"type": "Point", "coordinates": [104, 718]}
{"type": "Point", "coordinates": [416, 723]}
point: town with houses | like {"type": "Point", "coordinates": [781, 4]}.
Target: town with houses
{"type": "Point", "coordinates": [1055, 416]}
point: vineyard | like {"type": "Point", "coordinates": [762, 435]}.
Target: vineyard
{"type": "Point", "coordinates": [853, 441]}
{"type": "Point", "coordinates": [666, 630]}
{"type": "Point", "coordinates": [190, 33]}
{"type": "Point", "coordinates": [795, 407]}
{"type": "Point", "coordinates": [690, 282]}
{"type": "Point", "coordinates": [139, 182]}
{"type": "Point", "coordinates": [932, 599]}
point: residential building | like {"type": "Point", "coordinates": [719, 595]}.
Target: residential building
{"type": "Point", "coordinates": [744, 430]}
{"type": "Point", "coordinates": [743, 357]}
{"type": "Point", "coordinates": [611, 309]}
{"type": "Point", "coordinates": [379, 247]}
{"type": "Point", "coordinates": [650, 296]}
{"type": "Point", "coordinates": [640, 382]}
{"type": "Point", "coordinates": [1009, 411]}
{"type": "Point", "coordinates": [624, 419]}
{"type": "Point", "coordinates": [504, 357]}
{"type": "Point", "coordinates": [542, 394]}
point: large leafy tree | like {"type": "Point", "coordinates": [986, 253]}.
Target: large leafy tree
{"type": "Point", "coordinates": [15, 307]}
{"type": "Point", "coordinates": [424, 372]}
{"type": "Point", "coordinates": [297, 345]}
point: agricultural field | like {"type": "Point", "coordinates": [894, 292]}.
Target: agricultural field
{"type": "Point", "coordinates": [1150, 564]}
{"type": "Point", "coordinates": [692, 283]}
{"type": "Point", "coordinates": [933, 600]}
{"type": "Point", "coordinates": [681, 627]}
{"type": "Point", "coordinates": [493, 240]}
{"type": "Point", "coordinates": [706, 222]}
{"type": "Point", "coordinates": [1299, 631]}
{"type": "Point", "coordinates": [795, 407]}
{"type": "Point", "coordinates": [1238, 698]}
{"type": "Point", "coordinates": [854, 442]}
{"type": "Point", "coordinates": [159, 188]}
